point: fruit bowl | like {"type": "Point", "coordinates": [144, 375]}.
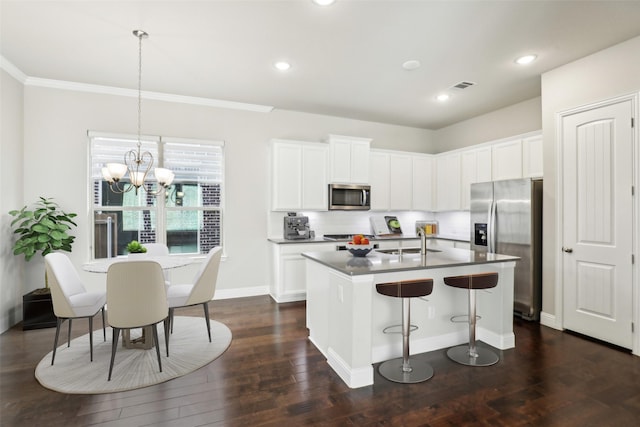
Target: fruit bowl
{"type": "Point", "coordinates": [359, 250]}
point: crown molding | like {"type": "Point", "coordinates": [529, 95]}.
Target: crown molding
{"type": "Point", "coordinates": [12, 70]}
{"type": "Point", "coordinates": [110, 90]}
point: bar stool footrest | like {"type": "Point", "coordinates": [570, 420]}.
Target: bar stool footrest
{"type": "Point", "coordinates": [462, 318]}
{"type": "Point", "coordinates": [421, 370]}
{"type": "Point", "coordinates": [388, 330]}
{"type": "Point", "coordinates": [483, 356]}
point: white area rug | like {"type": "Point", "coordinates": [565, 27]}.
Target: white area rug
{"type": "Point", "coordinates": [189, 349]}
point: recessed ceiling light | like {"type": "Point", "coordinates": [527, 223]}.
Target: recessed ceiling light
{"type": "Point", "coordinates": [411, 64]}
{"type": "Point", "coordinates": [526, 59]}
{"type": "Point", "coordinates": [324, 2]}
{"type": "Point", "coordinates": [282, 65]}
{"type": "Point", "coordinates": [443, 97]}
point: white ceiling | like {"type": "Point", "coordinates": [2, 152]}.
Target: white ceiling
{"type": "Point", "coordinates": [347, 58]}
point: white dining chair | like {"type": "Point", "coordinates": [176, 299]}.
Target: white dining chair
{"type": "Point", "coordinates": [136, 298]}
{"type": "Point", "coordinates": [159, 249]}
{"type": "Point", "coordinates": [71, 299]}
{"type": "Point", "coordinates": [201, 291]}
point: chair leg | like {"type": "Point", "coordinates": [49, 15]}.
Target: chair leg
{"type": "Point", "coordinates": [55, 341]}
{"type": "Point", "coordinates": [171, 319]}
{"type": "Point", "coordinates": [104, 326]}
{"type": "Point", "coordinates": [156, 342]}
{"type": "Point", "coordinates": [114, 346]}
{"type": "Point", "coordinates": [91, 338]}
{"type": "Point", "coordinates": [206, 317]}
{"type": "Point", "coordinates": [166, 333]}
{"type": "Point", "coordinates": [69, 334]}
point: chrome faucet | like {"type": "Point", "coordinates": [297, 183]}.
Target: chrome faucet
{"type": "Point", "coordinates": [423, 243]}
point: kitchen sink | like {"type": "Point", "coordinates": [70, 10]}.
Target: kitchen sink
{"type": "Point", "coordinates": [397, 251]}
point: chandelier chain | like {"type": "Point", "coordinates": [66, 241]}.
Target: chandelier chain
{"type": "Point", "coordinates": [139, 90]}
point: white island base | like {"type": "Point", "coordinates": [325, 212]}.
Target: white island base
{"type": "Point", "coordinates": [346, 316]}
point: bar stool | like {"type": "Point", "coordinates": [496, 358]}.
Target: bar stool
{"type": "Point", "coordinates": [400, 370]}
{"type": "Point", "coordinates": [469, 354]}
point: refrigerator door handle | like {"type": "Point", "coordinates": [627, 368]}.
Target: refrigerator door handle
{"type": "Point", "coordinates": [492, 227]}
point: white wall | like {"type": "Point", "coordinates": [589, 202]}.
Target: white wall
{"type": "Point", "coordinates": [516, 119]}
{"type": "Point", "coordinates": [11, 161]}
{"type": "Point", "coordinates": [603, 75]}
{"type": "Point", "coordinates": [55, 145]}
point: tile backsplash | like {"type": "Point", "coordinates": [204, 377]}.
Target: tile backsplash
{"type": "Point", "coordinates": [452, 224]}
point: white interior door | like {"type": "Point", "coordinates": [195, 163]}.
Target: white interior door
{"type": "Point", "coordinates": [597, 219]}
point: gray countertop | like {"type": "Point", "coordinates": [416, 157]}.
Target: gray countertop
{"type": "Point", "coordinates": [280, 241]}
{"type": "Point", "coordinates": [376, 262]}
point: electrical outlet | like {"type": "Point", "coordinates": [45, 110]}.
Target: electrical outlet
{"type": "Point", "coordinates": [340, 293]}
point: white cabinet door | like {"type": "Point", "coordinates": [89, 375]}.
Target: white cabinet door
{"type": "Point", "coordinates": [532, 157]}
{"type": "Point", "coordinates": [379, 180]}
{"type": "Point", "coordinates": [422, 183]}
{"type": "Point", "coordinates": [288, 275]}
{"type": "Point", "coordinates": [349, 159]}
{"type": "Point", "coordinates": [286, 187]}
{"type": "Point", "coordinates": [507, 160]}
{"type": "Point", "coordinates": [314, 177]}
{"type": "Point", "coordinates": [299, 175]}
{"type": "Point", "coordinates": [400, 182]}
{"type": "Point", "coordinates": [475, 167]}
{"type": "Point", "coordinates": [360, 162]}
{"type": "Point", "coordinates": [448, 182]}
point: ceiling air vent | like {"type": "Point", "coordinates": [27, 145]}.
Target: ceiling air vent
{"type": "Point", "coordinates": [462, 85]}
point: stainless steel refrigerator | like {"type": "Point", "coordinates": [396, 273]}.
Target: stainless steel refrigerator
{"type": "Point", "coordinates": [506, 218]}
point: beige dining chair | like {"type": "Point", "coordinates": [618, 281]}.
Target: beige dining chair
{"type": "Point", "coordinates": [159, 249]}
{"type": "Point", "coordinates": [136, 298]}
{"type": "Point", "coordinates": [71, 299]}
{"type": "Point", "coordinates": [201, 291]}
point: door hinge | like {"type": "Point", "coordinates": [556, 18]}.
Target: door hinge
{"type": "Point", "coordinates": [632, 122]}
{"type": "Point", "coordinates": [633, 259]}
{"type": "Point", "coordinates": [633, 190]}
{"type": "Point", "coordinates": [632, 327]}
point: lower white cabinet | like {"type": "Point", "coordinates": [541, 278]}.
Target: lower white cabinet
{"type": "Point", "coordinates": [288, 275]}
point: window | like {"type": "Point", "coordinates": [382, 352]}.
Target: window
{"type": "Point", "coordinates": [187, 217]}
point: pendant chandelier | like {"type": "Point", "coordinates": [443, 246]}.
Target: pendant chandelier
{"type": "Point", "coordinates": [136, 162]}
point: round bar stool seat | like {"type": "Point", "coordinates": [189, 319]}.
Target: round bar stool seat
{"type": "Point", "coordinates": [404, 369]}
{"type": "Point", "coordinates": [469, 354]}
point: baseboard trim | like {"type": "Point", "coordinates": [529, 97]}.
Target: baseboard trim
{"type": "Point", "coordinates": [550, 321]}
{"type": "Point", "coordinates": [241, 292]}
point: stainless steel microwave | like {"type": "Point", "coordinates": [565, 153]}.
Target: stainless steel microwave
{"type": "Point", "coordinates": [346, 197]}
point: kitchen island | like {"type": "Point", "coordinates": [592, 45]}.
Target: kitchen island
{"type": "Point", "coordinates": [346, 316]}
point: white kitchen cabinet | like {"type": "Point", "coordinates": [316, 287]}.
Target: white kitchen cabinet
{"type": "Point", "coordinates": [299, 175]}
{"type": "Point", "coordinates": [391, 180]}
{"type": "Point", "coordinates": [475, 167]}
{"type": "Point", "coordinates": [506, 160]}
{"type": "Point", "coordinates": [288, 278]}
{"type": "Point", "coordinates": [448, 182]}
{"type": "Point", "coordinates": [349, 159]}
{"type": "Point", "coordinates": [379, 180]}
{"type": "Point", "coordinates": [422, 182]}
{"type": "Point", "coordinates": [400, 182]}
{"type": "Point", "coordinates": [532, 157]}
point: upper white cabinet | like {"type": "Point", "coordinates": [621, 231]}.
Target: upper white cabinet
{"type": "Point", "coordinates": [379, 180]}
{"type": "Point", "coordinates": [400, 182]}
{"type": "Point", "coordinates": [422, 182]}
{"type": "Point", "coordinates": [448, 182]}
{"type": "Point", "coordinates": [475, 167]}
{"type": "Point", "coordinates": [506, 160]}
{"type": "Point", "coordinates": [349, 159]}
{"type": "Point", "coordinates": [299, 175]}
{"type": "Point", "coordinates": [392, 180]}
{"type": "Point", "coordinates": [532, 157]}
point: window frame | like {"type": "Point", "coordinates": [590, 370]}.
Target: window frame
{"type": "Point", "coordinates": [160, 209]}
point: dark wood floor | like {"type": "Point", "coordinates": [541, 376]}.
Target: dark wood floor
{"type": "Point", "coordinates": [271, 375]}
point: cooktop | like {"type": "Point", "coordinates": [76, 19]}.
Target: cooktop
{"type": "Point", "coordinates": [337, 237]}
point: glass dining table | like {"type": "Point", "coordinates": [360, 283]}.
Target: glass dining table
{"type": "Point", "coordinates": [102, 265]}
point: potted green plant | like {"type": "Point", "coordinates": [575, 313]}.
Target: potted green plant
{"type": "Point", "coordinates": [136, 249]}
{"type": "Point", "coordinates": [42, 227]}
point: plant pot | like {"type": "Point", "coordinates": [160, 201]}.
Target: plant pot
{"type": "Point", "coordinates": [37, 310]}
{"type": "Point", "coordinates": [137, 255]}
